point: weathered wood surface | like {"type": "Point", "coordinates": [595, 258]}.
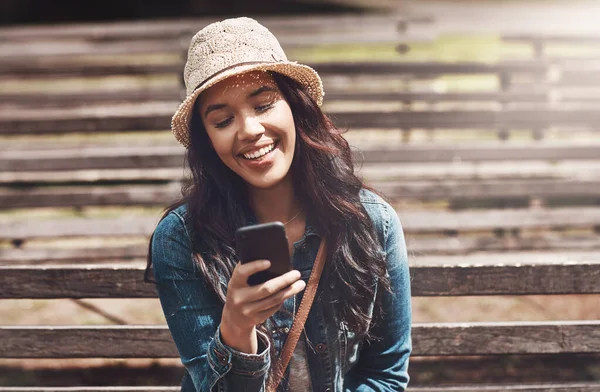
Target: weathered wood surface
{"type": "Point", "coordinates": [492, 189]}
{"type": "Point", "coordinates": [109, 195]}
{"type": "Point", "coordinates": [62, 99]}
{"type": "Point", "coordinates": [585, 39]}
{"type": "Point", "coordinates": [279, 25]}
{"type": "Point", "coordinates": [160, 195]}
{"type": "Point", "coordinates": [423, 250]}
{"type": "Point", "coordinates": [156, 116]}
{"type": "Point", "coordinates": [413, 222]}
{"type": "Point", "coordinates": [116, 281]}
{"type": "Point", "coordinates": [22, 69]}
{"type": "Point", "coordinates": [55, 66]}
{"type": "Point", "coordinates": [508, 242]}
{"type": "Point", "coordinates": [90, 253]}
{"type": "Point", "coordinates": [428, 340]}
{"type": "Point", "coordinates": [140, 157]}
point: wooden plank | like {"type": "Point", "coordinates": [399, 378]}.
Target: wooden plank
{"type": "Point", "coordinates": [490, 189]}
{"type": "Point", "coordinates": [506, 338]}
{"type": "Point", "coordinates": [430, 68]}
{"type": "Point", "coordinates": [516, 258]}
{"type": "Point", "coordinates": [160, 195]}
{"type": "Point", "coordinates": [109, 195]}
{"type": "Point", "coordinates": [478, 153]}
{"type": "Point", "coordinates": [428, 340]}
{"type": "Point", "coordinates": [157, 116]}
{"type": "Point", "coordinates": [122, 281]}
{"type": "Point", "coordinates": [139, 157]}
{"type": "Point", "coordinates": [585, 39]}
{"type": "Point", "coordinates": [413, 222]}
{"type": "Point", "coordinates": [66, 99]}
{"type": "Point", "coordinates": [49, 255]}
{"type": "Point", "coordinates": [58, 65]}
{"type": "Point", "coordinates": [466, 244]}
{"type": "Point", "coordinates": [155, 94]}
{"type": "Point", "coordinates": [174, 28]}
{"type": "Point", "coordinates": [475, 220]}
{"type": "Point", "coordinates": [51, 50]}
{"type": "Point", "coordinates": [24, 68]}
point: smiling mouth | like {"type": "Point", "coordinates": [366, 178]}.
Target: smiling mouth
{"type": "Point", "coordinates": [259, 153]}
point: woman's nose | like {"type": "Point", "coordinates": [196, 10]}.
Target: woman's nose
{"type": "Point", "coordinates": [251, 128]}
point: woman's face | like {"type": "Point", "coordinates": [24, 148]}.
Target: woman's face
{"type": "Point", "coordinates": [251, 127]}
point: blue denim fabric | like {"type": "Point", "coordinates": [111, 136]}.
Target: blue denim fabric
{"type": "Point", "coordinates": [338, 360]}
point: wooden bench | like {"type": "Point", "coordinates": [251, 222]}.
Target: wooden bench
{"type": "Point", "coordinates": [50, 158]}
{"type": "Point", "coordinates": [429, 340]}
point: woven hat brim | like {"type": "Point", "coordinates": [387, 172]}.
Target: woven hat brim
{"type": "Point", "coordinates": [303, 74]}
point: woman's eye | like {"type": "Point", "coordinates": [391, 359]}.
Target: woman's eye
{"type": "Point", "coordinates": [264, 108]}
{"type": "Point", "coordinates": [224, 123]}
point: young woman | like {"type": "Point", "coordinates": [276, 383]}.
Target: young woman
{"type": "Point", "coordinates": [260, 149]}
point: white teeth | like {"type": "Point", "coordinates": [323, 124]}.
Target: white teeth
{"type": "Point", "coordinates": [260, 153]}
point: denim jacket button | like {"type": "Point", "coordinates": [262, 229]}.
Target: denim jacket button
{"type": "Point", "coordinates": [223, 360]}
{"type": "Point", "coordinates": [304, 247]}
{"type": "Point", "coordinates": [321, 348]}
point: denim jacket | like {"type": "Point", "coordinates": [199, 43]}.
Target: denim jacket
{"type": "Point", "coordinates": [338, 360]}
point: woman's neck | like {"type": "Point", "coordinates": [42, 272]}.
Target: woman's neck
{"type": "Point", "coordinates": [274, 204]}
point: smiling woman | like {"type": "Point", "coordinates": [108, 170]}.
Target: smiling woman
{"type": "Point", "coordinates": [251, 127]}
{"type": "Point", "coordinates": [261, 150]}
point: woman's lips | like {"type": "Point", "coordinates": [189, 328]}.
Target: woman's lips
{"type": "Point", "coordinates": [263, 161]}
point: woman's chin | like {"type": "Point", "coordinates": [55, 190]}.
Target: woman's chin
{"type": "Point", "coordinates": [266, 181]}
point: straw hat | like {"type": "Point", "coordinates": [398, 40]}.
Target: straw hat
{"type": "Point", "coordinates": [231, 47]}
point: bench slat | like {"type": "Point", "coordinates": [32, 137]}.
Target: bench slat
{"type": "Point", "coordinates": [75, 99]}
{"type": "Point", "coordinates": [412, 221]}
{"type": "Point", "coordinates": [139, 157]}
{"type": "Point", "coordinates": [428, 340]}
{"type": "Point", "coordinates": [446, 248]}
{"type": "Point", "coordinates": [160, 195]}
{"type": "Point", "coordinates": [23, 122]}
{"type": "Point", "coordinates": [114, 281]}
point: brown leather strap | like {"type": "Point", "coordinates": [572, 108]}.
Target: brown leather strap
{"type": "Point", "coordinates": [298, 325]}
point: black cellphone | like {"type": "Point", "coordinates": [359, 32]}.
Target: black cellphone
{"type": "Point", "coordinates": [265, 241]}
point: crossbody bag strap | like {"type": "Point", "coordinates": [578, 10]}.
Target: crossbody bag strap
{"type": "Point", "coordinates": [298, 325]}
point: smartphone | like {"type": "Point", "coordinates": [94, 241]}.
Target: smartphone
{"type": "Point", "coordinates": [265, 241]}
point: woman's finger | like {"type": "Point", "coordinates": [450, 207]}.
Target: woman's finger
{"type": "Point", "coordinates": [278, 298]}
{"type": "Point", "coordinates": [243, 271]}
{"type": "Point", "coordinates": [271, 286]}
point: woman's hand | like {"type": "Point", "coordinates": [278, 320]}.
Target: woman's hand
{"type": "Point", "coordinates": [247, 306]}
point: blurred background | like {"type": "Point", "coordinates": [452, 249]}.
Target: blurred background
{"type": "Point", "coordinates": [478, 120]}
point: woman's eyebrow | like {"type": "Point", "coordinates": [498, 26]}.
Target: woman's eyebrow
{"type": "Point", "coordinates": [261, 90]}
{"type": "Point", "coordinates": [211, 108]}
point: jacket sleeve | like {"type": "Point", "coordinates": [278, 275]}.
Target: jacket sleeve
{"type": "Point", "coordinates": [193, 313]}
{"type": "Point", "coordinates": [383, 363]}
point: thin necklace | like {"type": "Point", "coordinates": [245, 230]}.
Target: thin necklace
{"type": "Point", "coordinates": [295, 216]}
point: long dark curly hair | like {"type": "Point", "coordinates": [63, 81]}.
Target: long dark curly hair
{"type": "Point", "coordinates": [324, 181]}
